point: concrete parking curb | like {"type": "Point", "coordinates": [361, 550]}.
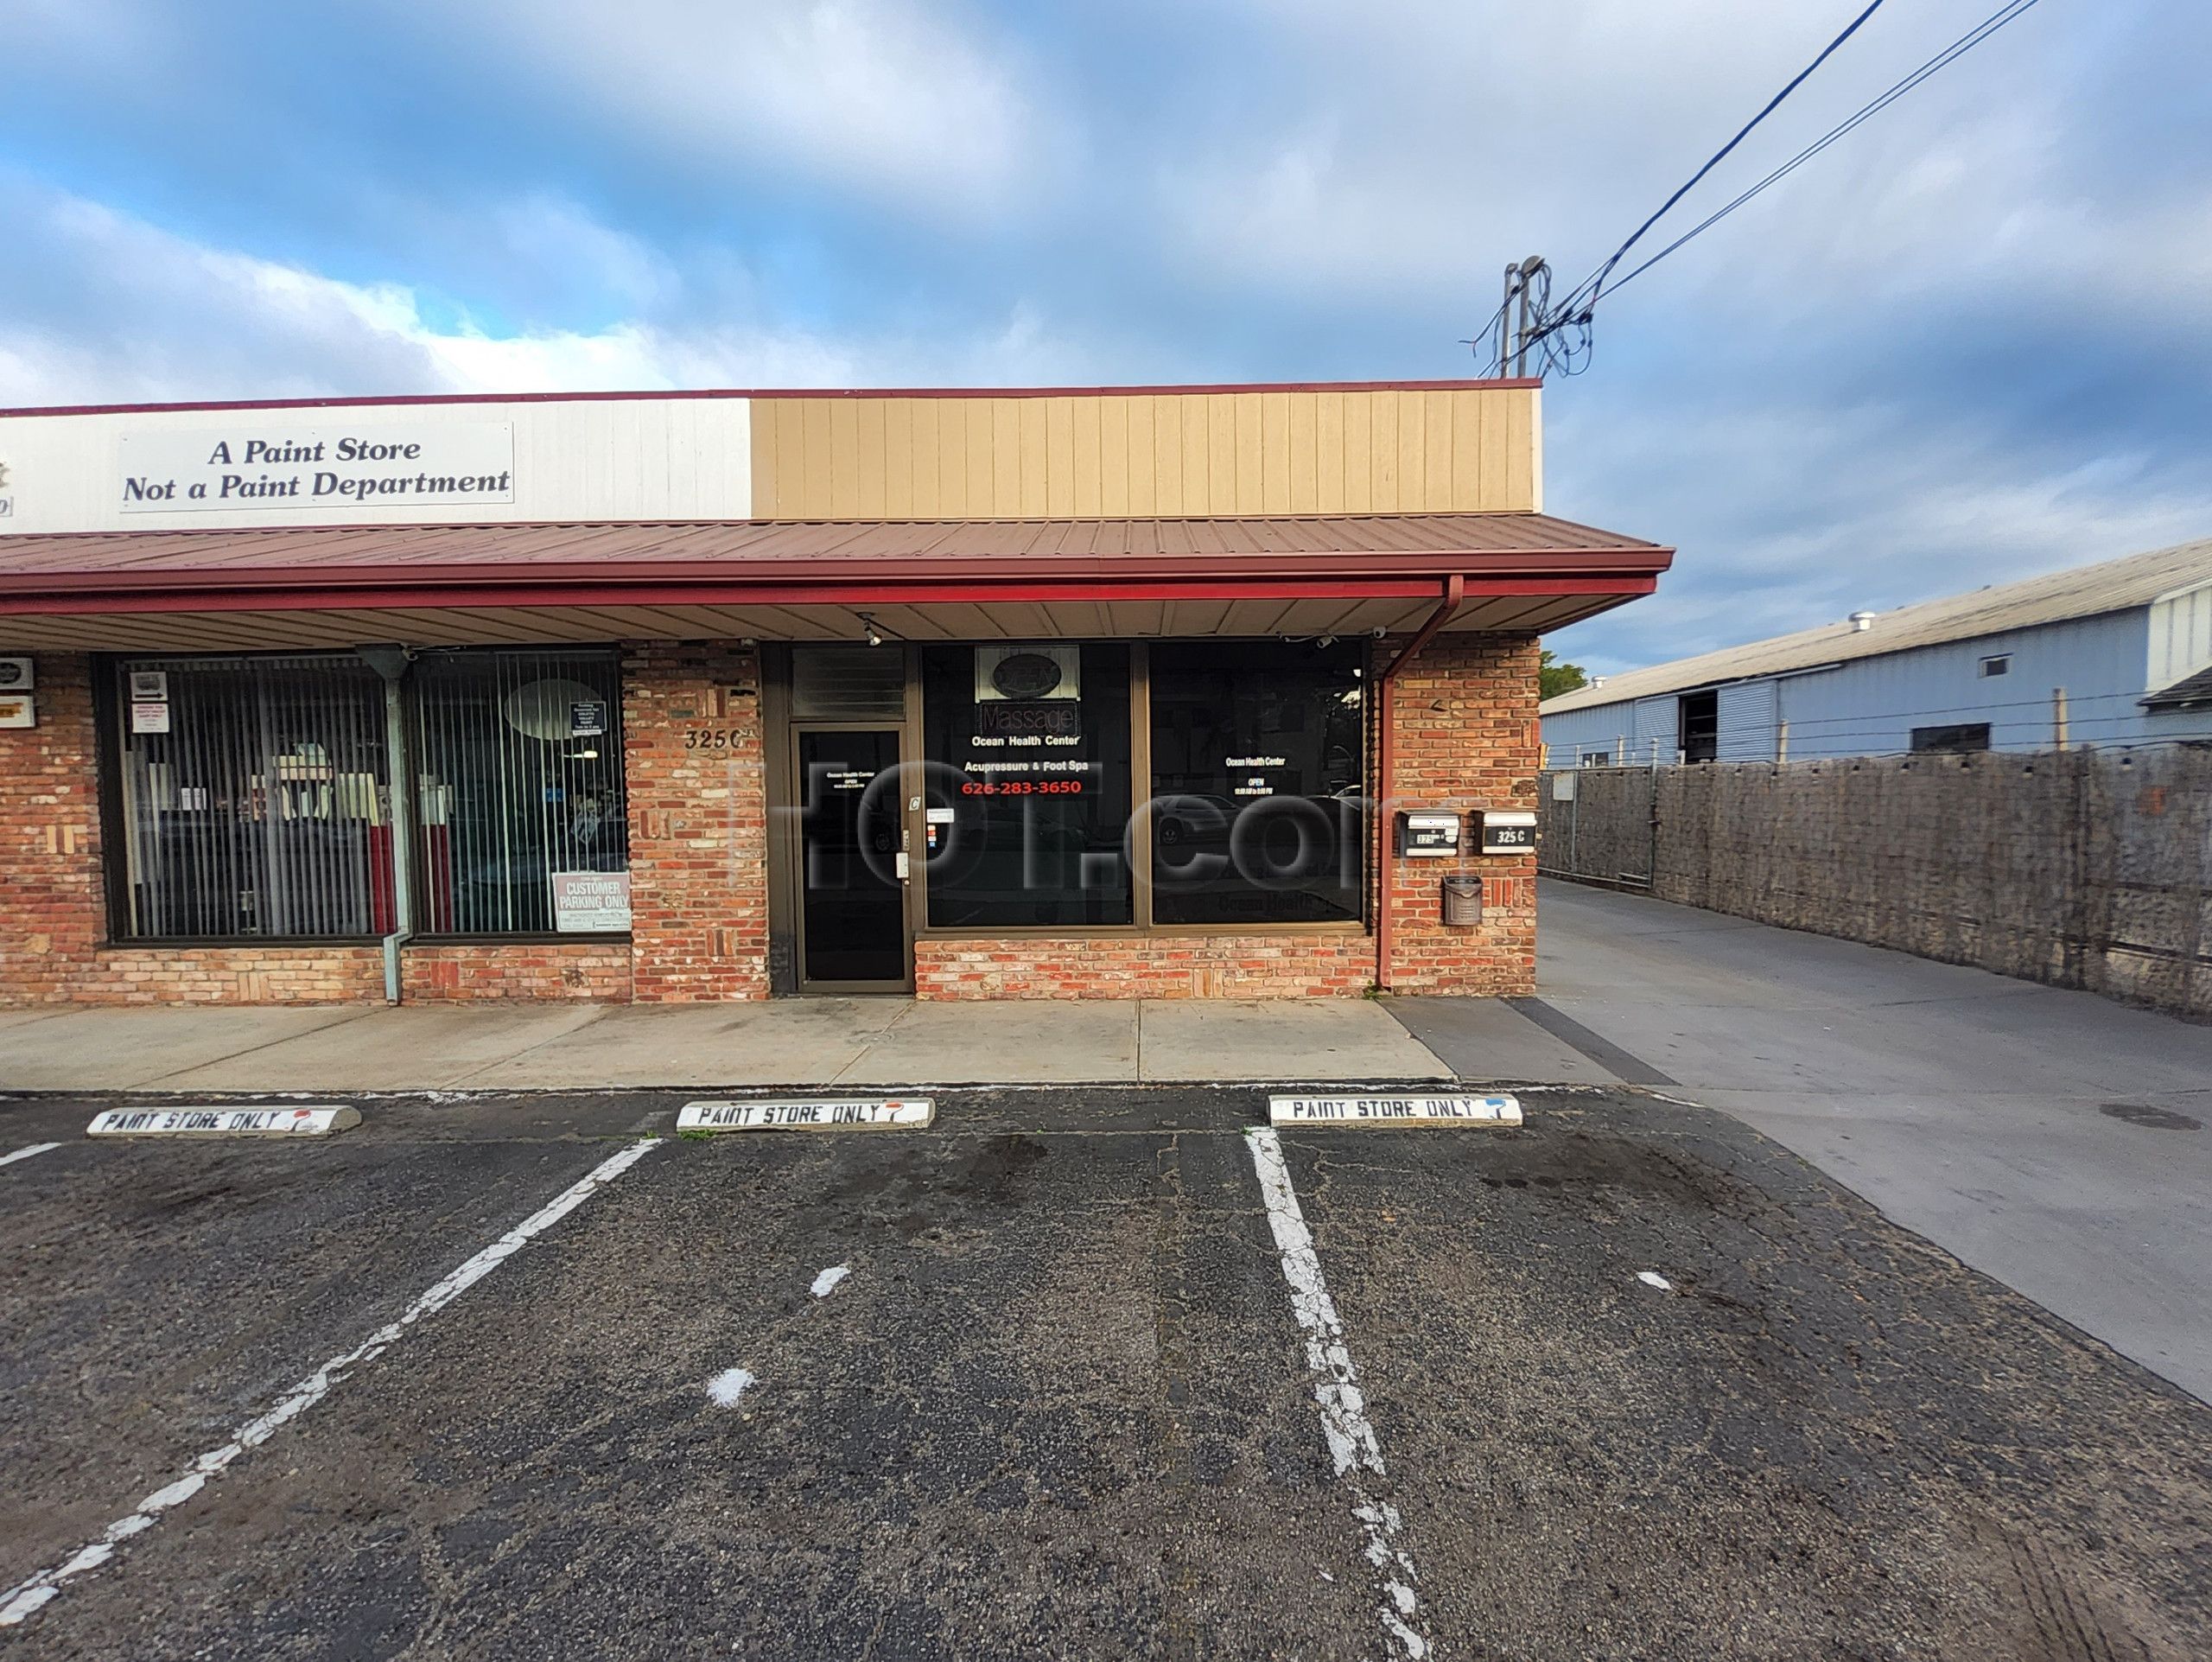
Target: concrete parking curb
{"type": "Point", "coordinates": [1460, 1112]}
{"type": "Point", "coordinates": [223, 1120]}
{"type": "Point", "coordinates": [843, 1114]}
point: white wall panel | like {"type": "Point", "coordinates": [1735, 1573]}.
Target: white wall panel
{"type": "Point", "coordinates": [1596, 729]}
{"type": "Point", "coordinates": [1749, 711]}
{"type": "Point", "coordinates": [573, 459]}
{"type": "Point", "coordinates": [2181, 636]}
{"type": "Point", "coordinates": [1658, 730]}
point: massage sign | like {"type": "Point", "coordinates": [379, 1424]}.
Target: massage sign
{"type": "Point", "coordinates": [1029, 725]}
{"type": "Point", "coordinates": [302, 468]}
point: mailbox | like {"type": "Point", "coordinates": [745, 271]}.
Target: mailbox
{"type": "Point", "coordinates": [1463, 902]}
{"type": "Point", "coordinates": [1508, 832]}
{"type": "Point", "coordinates": [1428, 836]}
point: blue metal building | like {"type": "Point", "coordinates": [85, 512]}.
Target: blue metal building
{"type": "Point", "coordinates": [2115, 653]}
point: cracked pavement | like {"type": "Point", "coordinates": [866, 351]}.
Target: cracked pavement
{"type": "Point", "coordinates": [1060, 1406]}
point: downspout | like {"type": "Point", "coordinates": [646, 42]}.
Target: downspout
{"type": "Point", "coordinates": [391, 663]}
{"type": "Point", "coordinates": [1455, 595]}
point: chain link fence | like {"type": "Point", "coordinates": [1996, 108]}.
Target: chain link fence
{"type": "Point", "coordinates": [1595, 825]}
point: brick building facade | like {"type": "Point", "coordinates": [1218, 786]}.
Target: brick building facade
{"type": "Point", "coordinates": [684, 748]}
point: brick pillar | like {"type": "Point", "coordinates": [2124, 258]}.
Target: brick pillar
{"type": "Point", "coordinates": [52, 905]}
{"type": "Point", "coordinates": [1467, 739]}
{"type": "Point", "coordinates": [694, 761]}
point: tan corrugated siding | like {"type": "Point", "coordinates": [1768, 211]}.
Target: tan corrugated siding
{"type": "Point", "coordinates": [1199, 454]}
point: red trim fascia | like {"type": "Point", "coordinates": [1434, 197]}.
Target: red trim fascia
{"type": "Point", "coordinates": [1455, 595]}
{"type": "Point", "coordinates": [405, 400]}
{"type": "Point", "coordinates": [830, 571]}
{"type": "Point", "coordinates": [160, 599]}
{"type": "Point", "coordinates": [495, 527]}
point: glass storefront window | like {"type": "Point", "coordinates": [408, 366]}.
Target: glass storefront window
{"type": "Point", "coordinates": [1027, 778]}
{"type": "Point", "coordinates": [253, 798]}
{"type": "Point", "coordinates": [521, 827]}
{"type": "Point", "coordinates": [1258, 768]}
{"type": "Point", "coordinates": [254, 793]}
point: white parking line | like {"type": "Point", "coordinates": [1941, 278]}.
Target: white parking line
{"type": "Point", "coordinates": [33, 1595]}
{"type": "Point", "coordinates": [26, 1153]}
{"type": "Point", "coordinates": [1336, 1390]}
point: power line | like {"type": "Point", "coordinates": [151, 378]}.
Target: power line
{"type": "Point", "coordinates": [1596, 284]}
{"type": "Point", "coordinates": [1573, 317]}
{"type": "Point", "coordinates": [1966, 42]}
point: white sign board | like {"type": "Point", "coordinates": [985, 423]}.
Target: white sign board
{"type": "Point", "coordinates": [17, 674]}
{"type": "Point", "coordinates": [1394, 1111]}
{"type": "Point", "coordinates": [150, 717]}
{"type": "Point", "coordinates": [591, 902]}
{"type": "Point", "coordinates": [18, 709]}
{"type": "Point", "coordinates": [1510, 832]}
{"type": "Point", "coordinates": [907, 1112]}
{"type": "Point", "coordinates": [259, 465]}
{"type": "Point", "coordinates": [1428, 835]}
{"type": "Point", "coordinates": [214, 1120]}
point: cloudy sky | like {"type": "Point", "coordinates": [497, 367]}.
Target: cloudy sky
{"type": "Point", "coordinates": [1972, 341]}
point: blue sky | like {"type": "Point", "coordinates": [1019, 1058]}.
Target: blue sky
{"type": "Point", "coordinates": [1971, 343]}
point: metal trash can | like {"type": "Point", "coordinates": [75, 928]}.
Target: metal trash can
{"type": "Point", "coordinates": [1463, 901]}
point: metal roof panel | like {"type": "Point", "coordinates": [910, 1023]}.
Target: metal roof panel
{"type": "Point", "coordinates": [2056, 597]}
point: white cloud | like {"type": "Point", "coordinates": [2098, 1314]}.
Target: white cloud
{"type": "Point", "coordinates": [880, 95]}
{"type": "Point", "coordinates": [1795, 513]}
{"type": "Point", "coordinates": [121, 311]}
{"type": "Point", "coordinates": [1422, 145]}
{"type": "Point", "coordinates": [543, 230]}
{"type": "Point", "coordinates": [1879, 383]}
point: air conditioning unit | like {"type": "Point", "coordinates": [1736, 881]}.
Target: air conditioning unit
{"type": "Point", "coordinates": [1028, 674]}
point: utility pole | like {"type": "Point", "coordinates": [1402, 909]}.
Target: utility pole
{"type": "Point", "coordinates": [1529, 267]}
{"type": "Point", "coordinates": [1501, 352]}
{"type": "Point", "coordinates": [1515, 328]}
{"type": "Point", "coordinates": [2058, 718]}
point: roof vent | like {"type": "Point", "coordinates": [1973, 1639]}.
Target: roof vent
{"type": "Point", "coordinates": [1597, 681]}
{"type": "Point", "coordinates": [1861, 621]}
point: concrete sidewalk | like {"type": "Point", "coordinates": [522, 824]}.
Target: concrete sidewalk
{"type": "Point", "coordinates": [795, 1042]}
{"type": "Point", "coordinates": [2053, 1139]}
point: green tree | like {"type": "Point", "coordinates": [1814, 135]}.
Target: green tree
{"type": "Point", "coordinates": [1554, 677]}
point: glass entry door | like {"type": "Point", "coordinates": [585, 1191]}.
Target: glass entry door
{"type": "Point", "coordinates": [852, 931]}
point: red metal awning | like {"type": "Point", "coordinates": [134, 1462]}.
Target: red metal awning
{"type": "Point", "coordinates": [807, 580]}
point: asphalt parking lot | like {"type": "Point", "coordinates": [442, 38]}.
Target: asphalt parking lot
{"type": "Point", "coordinates": [1629, 1382]}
